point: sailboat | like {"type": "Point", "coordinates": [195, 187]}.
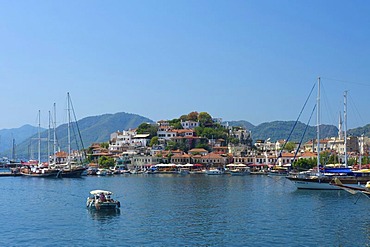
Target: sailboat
{"type": "Point", "coordinates": [321, 179]}
{"type": "Point", "coordinates": [37, 169]}
{"type": "Point", "coordinates": [70, 169]}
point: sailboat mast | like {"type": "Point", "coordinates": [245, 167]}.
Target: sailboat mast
{"type": "Point", "coordinates": [345, 128]}
{"type": "Point", "coordinates": [49, 136]}
{"type": "Point", "coordinates": [69, 125]}
{"type": "Point", "coordinates": [39, 140]}
{"type": "Point", "coordinates": [55, 136]}
{"type": "Point", "coordinates": [318, 126]}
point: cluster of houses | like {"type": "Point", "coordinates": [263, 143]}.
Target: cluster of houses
{"type": "Point", "coordinates": [132, 149]}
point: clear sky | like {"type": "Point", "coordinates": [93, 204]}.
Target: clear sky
{"type": "Point", "coordinates": [237, 60]}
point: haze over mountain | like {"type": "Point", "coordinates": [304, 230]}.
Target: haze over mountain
{"type": "Point", "coordinates": [98, 129]}
{"type": "Point", "coordinates": [280, 130]}
{"type": "Point", "coordinates": [92, 129]}
{"type": "Point", "coordinates": [15, 135]}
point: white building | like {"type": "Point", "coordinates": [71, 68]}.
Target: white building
{"type": "Point", "coordinates": [166, 134]}
{"type": "Point", "coordinates": [127, 138]}
{"type": "Point", "coordinates": [189, 124]}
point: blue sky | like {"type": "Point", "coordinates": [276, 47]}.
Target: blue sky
{"type": "Point", "coordinates": [237, 60]}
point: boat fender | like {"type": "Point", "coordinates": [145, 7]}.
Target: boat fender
{"type": "Point", "coordinates": [118, 204]}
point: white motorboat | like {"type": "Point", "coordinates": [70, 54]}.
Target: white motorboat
{"type": "Point", "coordinates": [101, 200]}
{"type": "Point", "coordinates": [214, 172]}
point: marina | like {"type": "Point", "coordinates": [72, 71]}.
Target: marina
{"type": "Point", "coordinates": [177, 210]}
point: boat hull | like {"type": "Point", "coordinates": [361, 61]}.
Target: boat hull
{"type": "Point", "coordinates": [214, 172]}
{"type": "Point", "coordinates": [73, 173]}
{"type": "Point", "coordinates": [53, 174]}
{"type": "Point", "coordinates": [93, 205]}
{"type": "Point", "coordinates": [324, 182]}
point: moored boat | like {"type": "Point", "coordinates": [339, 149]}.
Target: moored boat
{"type": "Point", "coordinates": [322, 180]}
{"type": "Point", "coordinates": [238, 169]}
{"type": "Point", "coordinates": [214, 172]}
{"type": "Point", "coordinates": [73, 172]}
{"type": "Point", "coordinates": [39, 171]}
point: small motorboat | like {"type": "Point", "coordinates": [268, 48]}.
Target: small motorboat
{"type": "Point", "coordinates": [213, 171]}
{"type": "Point", "coordinates": [101, 200]}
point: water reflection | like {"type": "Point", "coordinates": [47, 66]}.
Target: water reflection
{"type": "Point", "coordinates": [104, 215]}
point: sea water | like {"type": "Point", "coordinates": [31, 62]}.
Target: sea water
{"type": "Point", "coordinates": [174, 210]}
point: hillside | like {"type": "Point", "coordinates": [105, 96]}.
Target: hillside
{"type": "Point", "coordinates": [360, 131]}
{"type": "Point", "coordinates": [278, 130]}
{"type": "Point", "coordinates": [241, 123]}
{"type": "Point", "coordinates": [92, 129]}
{"type": "Point", "coordinates": [18, 134]}
{"type": "Point", "coordinates": [98, 129]}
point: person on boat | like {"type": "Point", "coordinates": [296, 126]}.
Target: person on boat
{"type": "Point", "coordinates": [102, 197]}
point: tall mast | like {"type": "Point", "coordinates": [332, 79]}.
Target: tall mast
{"type": "Point", "coordinates": [345, 128]}
{"type": "Point", "coordinates": [49, 138]}
{"type": "Point", "coordinates": [69, 134]}
{"type": "Point", "coordinates": [39, 141]}
{"type": "Point", "coordinates": [318, 126]}
{"type": "Point", "coordinates": [54, 137]}
{"type": "Point", "coordinates": [13, 149]}
{"type": "Point", "coordinates": [361, 150]}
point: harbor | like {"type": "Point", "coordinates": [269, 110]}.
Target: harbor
{"type": "Point", "coordinates": [175, 210]}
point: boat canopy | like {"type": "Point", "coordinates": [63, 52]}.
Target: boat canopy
{"type": "Point", "coordinates": [337, 170]}
{"type": "Point", "coordinates": [98, 192]}
{"type": "Point", "coordinates": [236, 165]}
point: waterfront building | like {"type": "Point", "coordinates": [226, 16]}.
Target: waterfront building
{"type": "Point", "coordinates": [143, 162]}
{"type": "Point", "coordinates": [210, 160]}
{"type": "Point", "coordinates": [199, 151]}
{"type": "Point", "coordinates": [60, 157]}
{"type": "Point", "coordinates": [181, 158]}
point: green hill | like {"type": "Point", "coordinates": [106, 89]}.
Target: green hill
{"type": "Point", "coordinates": [17, 134]}
{"type": "Point", "coordinates": [279, 130]}
{"type": "Point", "coordinates": [98, 129]}
{"type": "Point", "coordinates": [92, 129]}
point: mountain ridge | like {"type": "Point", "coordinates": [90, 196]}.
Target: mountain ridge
{"type": "Point", "coordinates": [99, 128]}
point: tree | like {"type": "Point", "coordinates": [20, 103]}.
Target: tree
{"type": "Point", "coordinates": [204, 119]}
{"type": "Point", "coordinates": [304, 164]}
{"type": "Point", "coordinates": [176, 123]}
{"type": "Point", "coordinates": [234, 140]}
{"type": "Point", "coordinates": [184, 118]}
{"type": "Point", "coordinates": [153, 141]}
{"type": "Point", "coordinates": [193, 116]}
{"type": "Point", "coordinates": [106, 162]}
{"type": "Point", "coordinates": [289, 146]}
{"type": "Point", "coordinates": [171, 145]}
{"type": "Point", "coordinates": [351, 161]}
{"type": "Point", "coordinates": [104, 145]}
{"type": "Point", "coordinates": [146, 128]}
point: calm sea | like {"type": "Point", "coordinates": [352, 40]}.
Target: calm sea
{"type": "Point", "coordinates": [174, 210]}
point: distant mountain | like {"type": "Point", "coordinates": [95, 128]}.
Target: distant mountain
{"type": "Point", "coordinates": [17, 134]}
{"type": "Point", "coordinates": [241, 123]}
{"type": "Point", "coordinates": [279, 130]}
{"type": "Point", "coordinates": [360, 131]}
{"type": "Point", "coordinates": [92, 129]}
{"type": "Point", "coordinates": [98, 129]}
